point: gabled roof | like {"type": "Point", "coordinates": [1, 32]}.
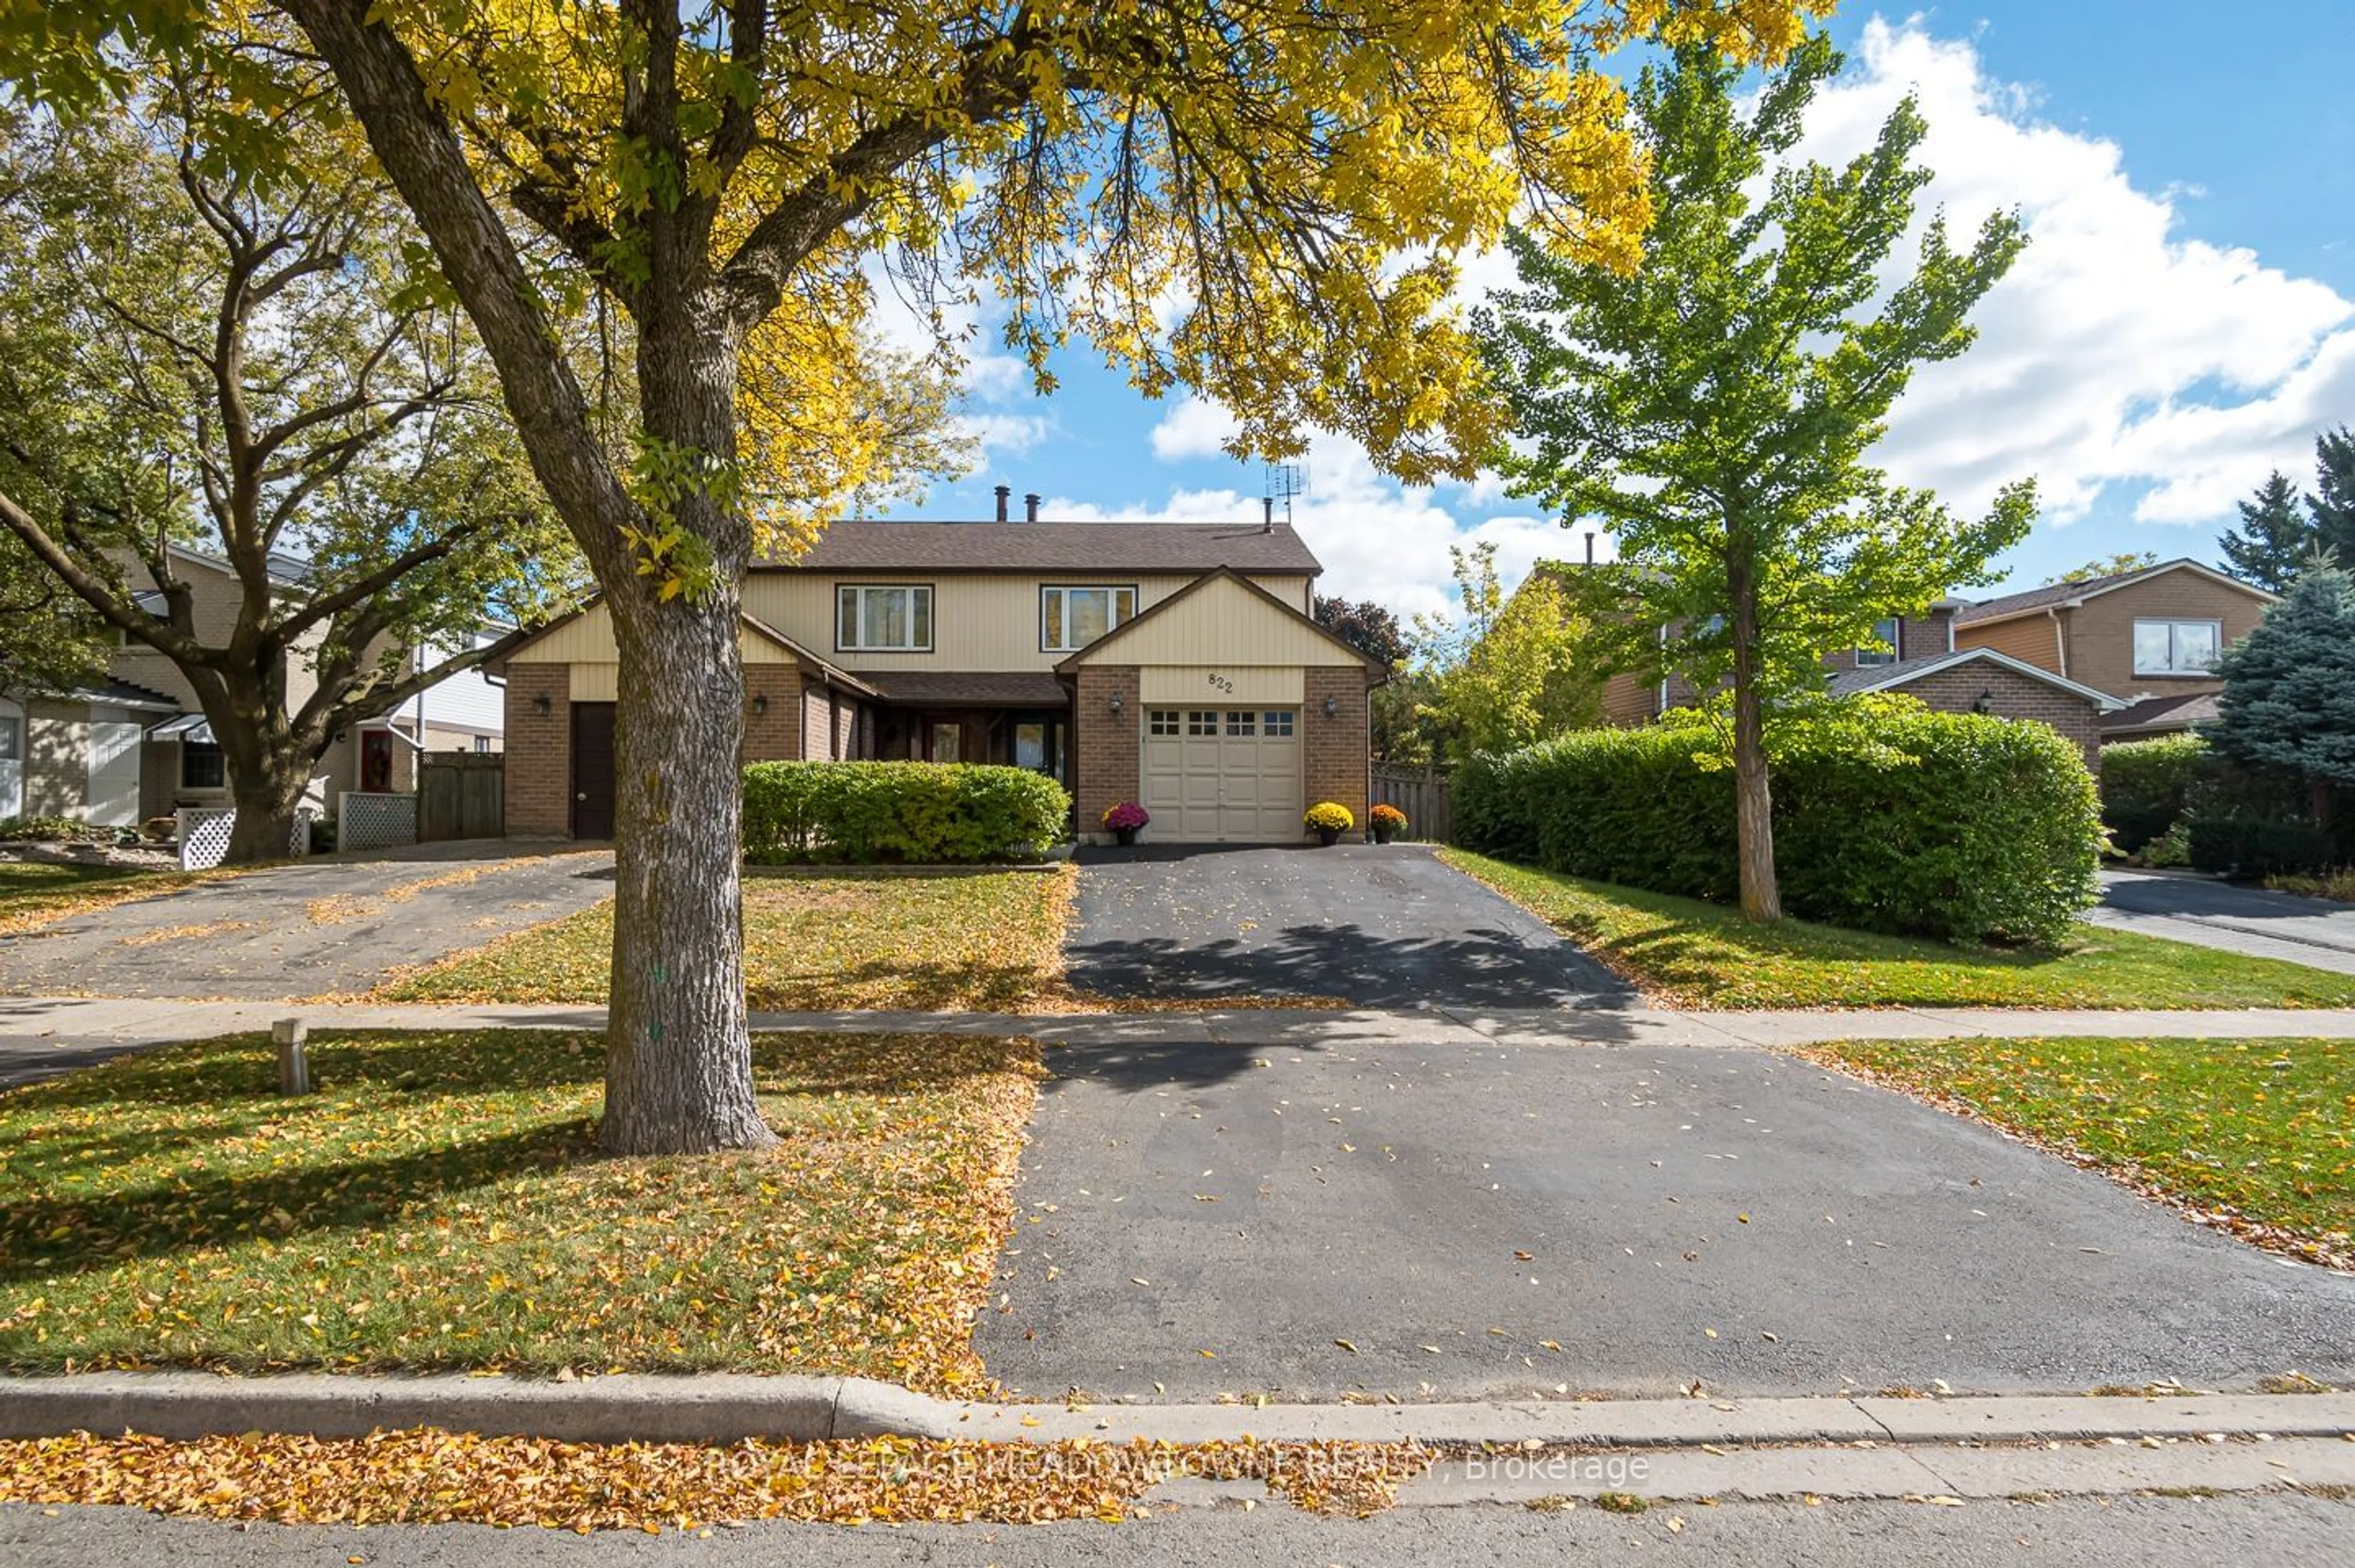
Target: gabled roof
{"type": "Point", "coordinates": [2055, 594]}
{"type": "Point", "coordinates": [1904, 672]}
{"type": "Point", "coordinates": [1053, 548]}
{"type": "Point", "coordinates": [2161, 715]}
{"type": "Point", "coordinates": [810, 663]}
{"type": "Point", "coordinates": [1223, 574]}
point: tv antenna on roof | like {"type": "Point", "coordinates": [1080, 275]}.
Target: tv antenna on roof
{"type": "Point", "coordinates": [1284, 480]}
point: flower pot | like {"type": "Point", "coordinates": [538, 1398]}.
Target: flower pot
{"type": "Point", "coordinates": [1329, 836]}
{"type": "Point", "coordinates": [1124, 835]}
{"type": "Point", "coordinates": [1384, 835]}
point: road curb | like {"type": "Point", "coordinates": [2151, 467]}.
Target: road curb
{"type": "Point", "coordinates": [728, 1408]}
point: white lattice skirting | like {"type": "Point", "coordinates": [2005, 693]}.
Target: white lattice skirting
{"type": "Point", "coordinates": [205, 830]}
{"type": "Point", "coordinates": [375, 821]}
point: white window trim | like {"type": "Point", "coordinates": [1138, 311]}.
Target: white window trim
{"type": "Point", "coordinates": [1876, 658]}
{"type": "Point", "coordinates": [2171, 622]}
{"type": "Point", "coordinates": [1114, 620]}
{"type": "Point", "coordinates": [932, 623]}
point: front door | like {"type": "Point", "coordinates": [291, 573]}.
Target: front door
{"type": "Point", "coordinates": [376, 762]}
{"type": "Point", "coordinates": [593, 770]}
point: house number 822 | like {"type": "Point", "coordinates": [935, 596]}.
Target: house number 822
{"type": "Point", "coordinates": [1221, 682]}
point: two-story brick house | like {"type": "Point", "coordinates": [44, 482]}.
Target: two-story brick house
{"type": "Point", "coordinates": [136, 744]}
{"type": "Point", "coordinates": [1174, 664]}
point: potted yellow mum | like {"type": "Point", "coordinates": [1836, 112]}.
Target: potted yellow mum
{"type": "Point", "coordinates": [1328, 819]}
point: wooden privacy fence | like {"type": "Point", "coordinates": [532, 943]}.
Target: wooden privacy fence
{"type": "Point", "coordinates": [461, 795]}
{"type": "Point", "coordinates": [1423, 795]}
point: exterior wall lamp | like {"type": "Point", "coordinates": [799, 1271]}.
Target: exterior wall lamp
{"type": "Point", "coordinates": [1985, 704]}
{"type": "Point", "coordinates": [1332, 707]}
{"type": "Point", "coordinates": [1115, 702]}
{"type": "Point", "coordinates": [541, 705]}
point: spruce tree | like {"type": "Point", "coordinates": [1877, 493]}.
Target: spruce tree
{"type": "Point", "coordinates": [2274, 538]}
{"type": "Point", "coordinates": [2288, 702]}
{"type": "Point", "coordinates": [2332, 502]}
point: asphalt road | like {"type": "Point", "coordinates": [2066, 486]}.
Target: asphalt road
{"type": "Point", "coordinates": [1434, 1220]}
{"type": "Point", "coordinates": [2279, 1530]}
{"type": "Point", "coordinates": [311, 928]}
{"type": "Point", "coordinates": [2261, 924]}
{"type": "Point", "coordinates": [1377, 925]}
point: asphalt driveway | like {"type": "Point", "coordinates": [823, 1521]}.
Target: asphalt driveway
{"type": "Point", "coordinates": [312, 928]}
{"type": "Point", "coordinates": [1460, 1221]}
{"type": "Point", "coordinates": [2259, 922]}
{"type": "Point", "coordinates": [1376, 925]}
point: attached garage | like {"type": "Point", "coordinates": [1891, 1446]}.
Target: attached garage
{"type": "Point", "coordinates": [1223, 775]}
{"type": "Point", "coordinates": [1225, 712]}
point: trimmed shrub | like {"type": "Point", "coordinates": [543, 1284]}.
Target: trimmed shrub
{"type": "Point", "coordinates": [911, 813]}
{"type": "Point", "coordinates": [2146, 785]}
{"type": "Point", "coordinates": [1888, 819]}
{"type": "Point", "coordinates": [2253, 844]}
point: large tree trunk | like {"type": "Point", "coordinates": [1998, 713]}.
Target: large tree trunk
{"type": "Point", "coordinates": [1753, 799]}
{"type": "Point", "coordinates": [267, 792]}
{"type": "Point", "coordinates": [678, 1076]}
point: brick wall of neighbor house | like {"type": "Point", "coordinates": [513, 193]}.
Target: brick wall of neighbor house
{"type": "Point", "coordinates": [540, 752]}
{"type": "Point", "coordinates": [1337, 764]}
{"type": "Point", "coordinates": [1919, 636]}
{"type": "Point", "coordinates": [774, 735]}
{"type": "Point", "coordinates": [1108, 742]}
{"type": "Point", "coordinates": [2101, 631]}
{"type": "Point", "coordinates": [2011, 695]}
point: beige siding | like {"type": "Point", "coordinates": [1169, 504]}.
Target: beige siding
{"type": "Point", "coordinates": [1223, 627]}
{"type": "Point", "coordinates": [598, 682]}
{"type": "Point", "coordinates": [588, 638]}
{"type": "Point", "coordinates": [1207, 686]}
{"type": "Point", "coordinates": [979, 622]}
{"type": "Point", "coordinates": [57, 759]}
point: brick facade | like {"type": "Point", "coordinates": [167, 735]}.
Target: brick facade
{"type": "Point", "coordinates": [2011, 695]}
{"type": "Point", "coordinates": [540, 752]}
{"type": "Point", "coordinates": [1337, 760]}
{"type": "Point", "coordinates": [1107, 756]}
{"type": "Point", "coordinates": [772, 730]}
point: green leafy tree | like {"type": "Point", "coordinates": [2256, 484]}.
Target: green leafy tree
{"type": "Point", "coordinates": [195, 356]}
{"type": "Point", "coordinates": [2331, 503]}
{"type": "Point", "coordinates": [2288, 702]}
{"type": "Point", "coordinates": [1257, 200]}
{"type": "Point", "coordinates": [1504, 673]}
{"type": "Point", "coordinates": [1370, 628]}
{"type": "Point", "coordinates": [2274, 537]}
{"type": "Point", "coordinates": [2117, 565]}
{"type": "Point", "coordinates": [1716, 406]}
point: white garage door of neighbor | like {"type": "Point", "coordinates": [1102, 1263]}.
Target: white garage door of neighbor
{"type": "Point", "coordinates": [1222, 774]}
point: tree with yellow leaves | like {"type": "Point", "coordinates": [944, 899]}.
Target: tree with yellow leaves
{"type": "Point", "coordinates": [1259, 199]}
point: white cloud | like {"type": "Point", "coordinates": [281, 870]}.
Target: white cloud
{"type": "Point", "coordinates": [1195, 426]}
{"type": "Point", "coordinates": [1005, 433]}
{"type": "Point", "coordinates": [2117, 353]}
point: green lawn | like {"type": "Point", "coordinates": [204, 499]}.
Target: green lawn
{"type": "Point", "coordinates": [2258, 1133]}
{"type": "Point", "coordinates": [1695, 954]}
{"type": "Point", "coordinates": [438, 1204]}
{"type": "Point", "coordinates": [989, 941]}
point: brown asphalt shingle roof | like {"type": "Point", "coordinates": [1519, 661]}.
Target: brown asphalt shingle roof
{"type": "Point", "coordinates": [1023, 548]}
{"type": "Point", "coordinates": [977, 689]}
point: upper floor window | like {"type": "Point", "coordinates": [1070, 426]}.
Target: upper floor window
{"type": "Point", "coordinates": [2177, 648]}
{"type": "Point", "coordinates": [1071, 618]}
{"type": "Point", "coordinates": [896, 618]}
{"type": "Point", "coordinates": [1883, 632]}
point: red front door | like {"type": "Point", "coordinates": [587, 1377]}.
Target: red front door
{"type": "Point", "coordinates": [376, 762]}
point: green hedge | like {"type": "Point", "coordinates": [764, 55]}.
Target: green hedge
{"type": "Point", "coordinates": [2145, 786]}
{"type": "Point", "coordinates": [1945, 825]}
{"type": "Point", "coordinates": [912, 813]}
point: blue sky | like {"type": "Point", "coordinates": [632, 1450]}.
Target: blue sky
{"type": "Point", "coordinates": [2183, 320]}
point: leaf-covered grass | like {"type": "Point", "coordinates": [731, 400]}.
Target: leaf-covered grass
{"type": "Point", "coordinates": [2256, 1135]}
{"type": "Point", "coordinates": [35, 892]}
{"type": "Point", "coordinates": [439, 1203]}
{"type": "Point", "coordinates": [983, 942]}
{"type": "Point", "coordinates": [1695, 954]}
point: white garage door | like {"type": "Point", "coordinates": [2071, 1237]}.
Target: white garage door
{"type": "Point", "coordinates": [1222, 774]}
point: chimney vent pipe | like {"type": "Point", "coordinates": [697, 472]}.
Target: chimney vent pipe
{"type": "Point", "coordinates": [1590, 547]}
{"type": "Point", "coordinates": [1003, 492]}
{"type": "Point", "coordinates": [1030, 506]}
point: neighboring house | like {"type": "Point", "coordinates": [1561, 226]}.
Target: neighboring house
{"type": "Point", "coordinates": [1923, 657]}
{"type": "Point", "coordinates": [1174, 664]}
{"type": "Point", "coordinates": [2148, 638]}
{"type": "Point", "coordinates": [137, 745]}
